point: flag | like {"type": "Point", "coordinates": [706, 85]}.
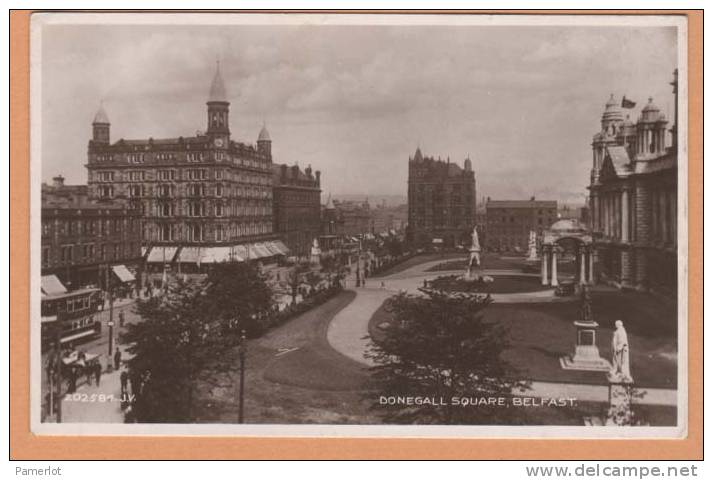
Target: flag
{"type": "Point", "coordinates": [626, 103]}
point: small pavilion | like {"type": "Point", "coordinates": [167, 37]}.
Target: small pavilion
{"type": "Point", "coordinates": [567, 235]}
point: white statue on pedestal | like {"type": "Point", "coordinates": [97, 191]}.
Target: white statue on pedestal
{"type": "Point", "coordinates": [474, 250]}
{"type": "Point", "coordinates": [315, 251]}
{"type": "Point", "coordinates": [532, 246]}
{"type": "Point", "coordinates": [620, 371]}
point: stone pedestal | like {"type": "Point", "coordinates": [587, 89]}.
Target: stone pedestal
{"type": "Point", "coordinates": [586, 354]}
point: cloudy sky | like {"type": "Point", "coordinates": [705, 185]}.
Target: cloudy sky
{"type": "Point", "coordinates": [355, 101]}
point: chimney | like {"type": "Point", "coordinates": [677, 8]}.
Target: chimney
{"type": "Point", "coordinates": [283, 172]}
{"type": "Point", "coordinates": [318, 174]}
{"type": "Point", "coordinates": [58, 181]}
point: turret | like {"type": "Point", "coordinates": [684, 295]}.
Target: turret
{"type": "Point", "coordinates": [100, 127]}
{"type": "Point", "coordinates": [651, 131]}
{"type": "Point", "coordinates": [264, 144]}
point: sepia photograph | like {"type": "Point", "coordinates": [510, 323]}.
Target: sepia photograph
{"type": "Point", "coordinates": [361, 225]}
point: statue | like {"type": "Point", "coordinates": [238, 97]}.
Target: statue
{"type": "Point", "coordinates": [474, 250]}
{"type": "Point", "coordinates": [586, 309]}
{"type": "Point", "coordinates": [315, 252]}
{"type": "Point", "coordinates": [620, 355]}
{"type": "Point", "coordinates": [532, 246]}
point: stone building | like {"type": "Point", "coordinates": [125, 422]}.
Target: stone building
{"type": "Point", "coordinates": [441, 201]}
{"type": "Point", "coordinates": [633, 197]}
{"type": "Point", "coordinates": [509, 222]}
{"type": "Point", "coordinates": [203, 198]}
{"type": "Point", "coordinates": [296, 206]}
{"type": "Point", "coordinates": [84, 242]}
{"type": "Point", "coordinates": [355, 217]}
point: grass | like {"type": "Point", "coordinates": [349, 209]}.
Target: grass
{"type": "Point", "coordinates": [542, 333]}
{"type": "Point", "coordinates": [310, 385]}
{"type": "Point", "coordinates": [500, 284]}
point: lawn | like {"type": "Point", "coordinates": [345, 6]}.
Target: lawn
{"type": "Point", "coordinates": [500, 284]}
{"type": "Point", "coordinates": [312, 384]}
{"type": "Point", "coordinates": [542, 333]}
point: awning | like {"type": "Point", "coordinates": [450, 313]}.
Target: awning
{"type": "Point", "coordinates": [49, 319]}
{"type": "Point", "coordinates": [253, 254]}
{"type": "Point", "coordinates": [123, 273]}
{"type": "Point", "coordinates": [83, 334]}
{"type": "Point", "coordinates": [161, 254]}
{"type": "Point", "coordinates": [52, 286]}
{"type": "Point", "coordinates": [437, 240]}
{"type": "Point", "coordinates": [281, 247]}
{"type": "Point", "coordinates": [189, 255]}
{"type": "Point", "coordinates": [215, 254]}
{"type": "Point", "coordinates": [263, 250]}
{"type": "Point", "coordinates": [273, 248]}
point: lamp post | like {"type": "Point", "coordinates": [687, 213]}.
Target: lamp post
{"type": "Point", "coordinates": [110, 323]}
{"type": "Point", "coordinates": [241, 395]}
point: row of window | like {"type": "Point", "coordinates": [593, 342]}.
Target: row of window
{"type": "Point", "coordinates": [196, 232]}
{"type": "Point", "coordinates": [192, 190]}
{"type": "Point", "coordinates": [88, 227]}
{"type": "Point", "coordinates": [191, 174]}
{"type": "Point", "coordinates": [200, 209]}
{"type": "Point", "coordinates": [193, 157]}
{"type": "Point", "coordinates": [68, 254]}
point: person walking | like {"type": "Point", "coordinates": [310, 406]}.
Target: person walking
{"type": "Point", "coordinates": [124, 378]}
{"type": "Point", "coordinates": [97, 372]}
{"type": "Point", "coordinates": [117, 359]}
{"type": "Point", "coordinates": [89, 372]}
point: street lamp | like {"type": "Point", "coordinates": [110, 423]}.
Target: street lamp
{"type": "Point", "coordinates": [242, 349]}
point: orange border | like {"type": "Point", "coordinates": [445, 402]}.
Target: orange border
{"type": "Point", "coordinates": [25, 446]}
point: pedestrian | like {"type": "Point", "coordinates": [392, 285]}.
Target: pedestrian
{"type": "Point", "coordinates": [97, 372]}
{"type": "Point", "coordinates": [124, 378]}
{"type": "Point", "coordinates": [121, 318]}
{"type": "Point", "coordinates": [89, 372]}
{"type": "Point", "coordinates": [383, 285]}
{"type": "Point", "coordinates": [117, 359]}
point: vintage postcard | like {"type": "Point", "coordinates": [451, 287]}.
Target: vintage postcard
{"type": "Point", "coordinates": [359, 225]}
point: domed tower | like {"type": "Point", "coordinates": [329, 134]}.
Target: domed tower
{"type": "Point", "coordinates": [612, 120]}
{"type": "Point", "coordinates": [264, 144]}
{"type": "Point", "coordinates": [627, 136]}
{"type": "Point", "coordinates": [100, 127]}
{"type": "Point", "coordinates": [651, 131]}
{"type": "Point", "coordinates": [218, 109]}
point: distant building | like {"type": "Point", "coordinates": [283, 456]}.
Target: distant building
{"type": "Point", "coordinates": [389, 219]}
{"type": "Point", "coordinates": [441, 201]}
{"type": "Point", "coordinates": [200, 196]}
{"type": "Point", "coordinates": [332, 227]}
{"type": "Point", "coordinates": [86, 242]}
{"type": "Point", "coordinates": [509, 222]}
{"type": "Point", "coordinates": [633, 197]}
{"type": "Point", "coordinates": [356, 217]}
{"type": "Point", "coordinates": [296, 207]}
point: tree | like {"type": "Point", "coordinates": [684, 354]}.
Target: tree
{"type": "Point", "coordinates": [295, 279]}
{"type": "Point", "coordinates": [172, 347]}
{"type": "Point", "coordinates": [238, 295]}
{"type": "Point", "coordinates": [186, 334]}
{"type": "Point", "coordinates": [440, 347]}
{"type": "Point", "coordinates": [335, 270]}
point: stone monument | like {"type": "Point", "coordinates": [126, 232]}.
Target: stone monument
{"type": "Point", "coordinates": [586, 353]}
{"type": "Point", "coordinates": [474, 260]}
{"type": "Point", "coordinates": [620, 371]}
{"type": "Point", "coordinates": [532, 246]}
{"type": "Point", "coordinates": [315, 252]}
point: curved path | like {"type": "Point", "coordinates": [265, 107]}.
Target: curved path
{"type": "Point", "coordinates": [348, 332]}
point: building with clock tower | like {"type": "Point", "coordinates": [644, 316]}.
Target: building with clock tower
{"type": "Point", "coordinates": [203, 198]}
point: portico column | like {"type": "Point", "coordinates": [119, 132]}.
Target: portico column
{"type": "Point", "coordinates": [543, 269]}
{"type": "Point", "coordinates": [582, 267]}
{"type": "Point", "coordinates": [554, 267]}
{"type": "Point", "coordinates": [625, 216]}
{"type": "Point", "coordinates": [591, 264]}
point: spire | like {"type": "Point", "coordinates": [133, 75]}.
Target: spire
{"type": "Point", "coordinates": [264, 135]}
{"type": "Point", "coordinates": [217, 88]}
{"type": "Point", "coordinates": [418, 156]}
{"type": "Point", "coordinates": [101, 116]}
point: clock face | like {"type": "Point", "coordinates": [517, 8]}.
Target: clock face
{"type": "Point", "coordinates": [218, 142]}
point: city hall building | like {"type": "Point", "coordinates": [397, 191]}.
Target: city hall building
{"type": "Point", "coordinates": [441, 201]}
{"type": "Point", "coordinates": [203, 198]}
{"type": "Point", "coordinates": [633, 197]}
